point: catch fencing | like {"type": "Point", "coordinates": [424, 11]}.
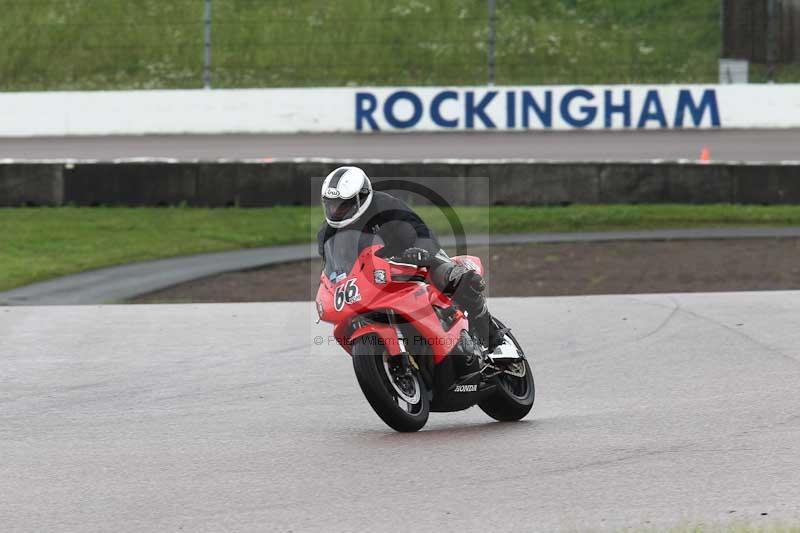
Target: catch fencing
{"type": "Point", "coordinates": [182, 44]}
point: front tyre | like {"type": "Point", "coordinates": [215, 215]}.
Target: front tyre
{"type": "Point", "coordinates": [396, 395]}
{"type": "Point", "coordinates": [515, 390]}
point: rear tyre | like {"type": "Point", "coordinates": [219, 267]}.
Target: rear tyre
{"type": "Point", "coordinates": [516, 390]}
{"type": "Point", "coordinates": [397, 396]}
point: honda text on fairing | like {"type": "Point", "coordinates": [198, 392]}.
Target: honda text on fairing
{"type": "Point", "coordinates": [412, 348]}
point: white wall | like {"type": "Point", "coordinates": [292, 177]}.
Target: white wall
{"type": "Point", "coordinates": [399, 109]}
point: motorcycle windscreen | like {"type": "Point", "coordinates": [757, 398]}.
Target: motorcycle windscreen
{"type": "Point", "coordinates": [342, 250]}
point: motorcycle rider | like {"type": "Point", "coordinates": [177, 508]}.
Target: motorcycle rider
{"type": "Point", "coordinates": [349, 202]}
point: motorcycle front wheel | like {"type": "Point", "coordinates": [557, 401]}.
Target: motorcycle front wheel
{"type": "Point", "coordinates": [516, 390]}
{"type": "Point", "coordinates": [396, 395]}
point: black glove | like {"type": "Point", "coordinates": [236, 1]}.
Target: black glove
{"type": "Point", "coordinates": [416, 256]}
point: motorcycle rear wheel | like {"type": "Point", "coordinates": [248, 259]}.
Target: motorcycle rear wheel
{"type": "Point", "coordinates": [399, 398]}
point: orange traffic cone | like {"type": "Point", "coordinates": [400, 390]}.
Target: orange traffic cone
{"type": "Point", "coordinates": [705, 155]}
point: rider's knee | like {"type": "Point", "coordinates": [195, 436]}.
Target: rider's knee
{"type": "Point", "coordinates": [457, 280]}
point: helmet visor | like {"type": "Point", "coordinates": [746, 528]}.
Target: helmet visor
{"type": "Point", "coordinates": [338, 209]}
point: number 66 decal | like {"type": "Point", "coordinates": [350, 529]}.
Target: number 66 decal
{"type": "Point", "coordinates": [346, 294]}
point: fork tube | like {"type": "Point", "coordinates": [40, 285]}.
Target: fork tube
{"type": "Point", "coordinates": [400, 337]}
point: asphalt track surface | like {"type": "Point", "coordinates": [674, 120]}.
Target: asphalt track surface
{"type": "Point", "coordinates": [728, 145]}
{"type": "Point", "coordinates": [651, 412]}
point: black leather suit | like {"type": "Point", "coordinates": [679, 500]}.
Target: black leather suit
{"type": "Point", "coordinates": [387, 215]}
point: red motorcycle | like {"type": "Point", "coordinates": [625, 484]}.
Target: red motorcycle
{"type": "Point", "coordinates": [412, 349]}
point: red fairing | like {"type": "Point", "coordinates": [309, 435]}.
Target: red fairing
{"type": "Point", "coordinates": [375, 285]}
{"type": "Point", "coordinates": [387, 336]}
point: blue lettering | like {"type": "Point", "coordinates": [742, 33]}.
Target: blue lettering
{"type": "Point", "coordinates": [656, 113]}
{"type": "Point", "coordinates": [545, 115]}
{"type": "Point", "coordinates": [479, 110]}
{"type": "Point", "coordinates": [436, 112]}
{"type": "Point", "coordinates": [391, 118]}
{"type": "Point", "coordinates": [511, 110]}
{"type": "Point", "coordinates": [589, 112]}
{"type": "Point", "coordinates": [707, 102]}
{"type": "Point", "coordinates": [624, 108]}
{"type": "Point", "coordinates": [366, 104]}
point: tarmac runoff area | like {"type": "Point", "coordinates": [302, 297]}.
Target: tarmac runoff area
{"type": "Point", "coordinates": [652, 411]}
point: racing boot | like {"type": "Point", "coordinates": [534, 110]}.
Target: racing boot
{"type": "Point", "coordinates": [498, 347]}
{"type": "Point", "coordinates": [466, 287]}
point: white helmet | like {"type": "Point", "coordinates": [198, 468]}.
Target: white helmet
{"type": "Point", "coordinates": [346, 194]}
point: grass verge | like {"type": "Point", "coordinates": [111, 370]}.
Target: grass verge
{"type": "Point", "coordinates": [741, 526]}
{"type": "Point", "coordinates": [42, 243]}
{"type": "Point", "coordinates": [150, 44]}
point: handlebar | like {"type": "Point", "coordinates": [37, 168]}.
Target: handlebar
{"type": "Point", "coordinates": [398, 260]}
